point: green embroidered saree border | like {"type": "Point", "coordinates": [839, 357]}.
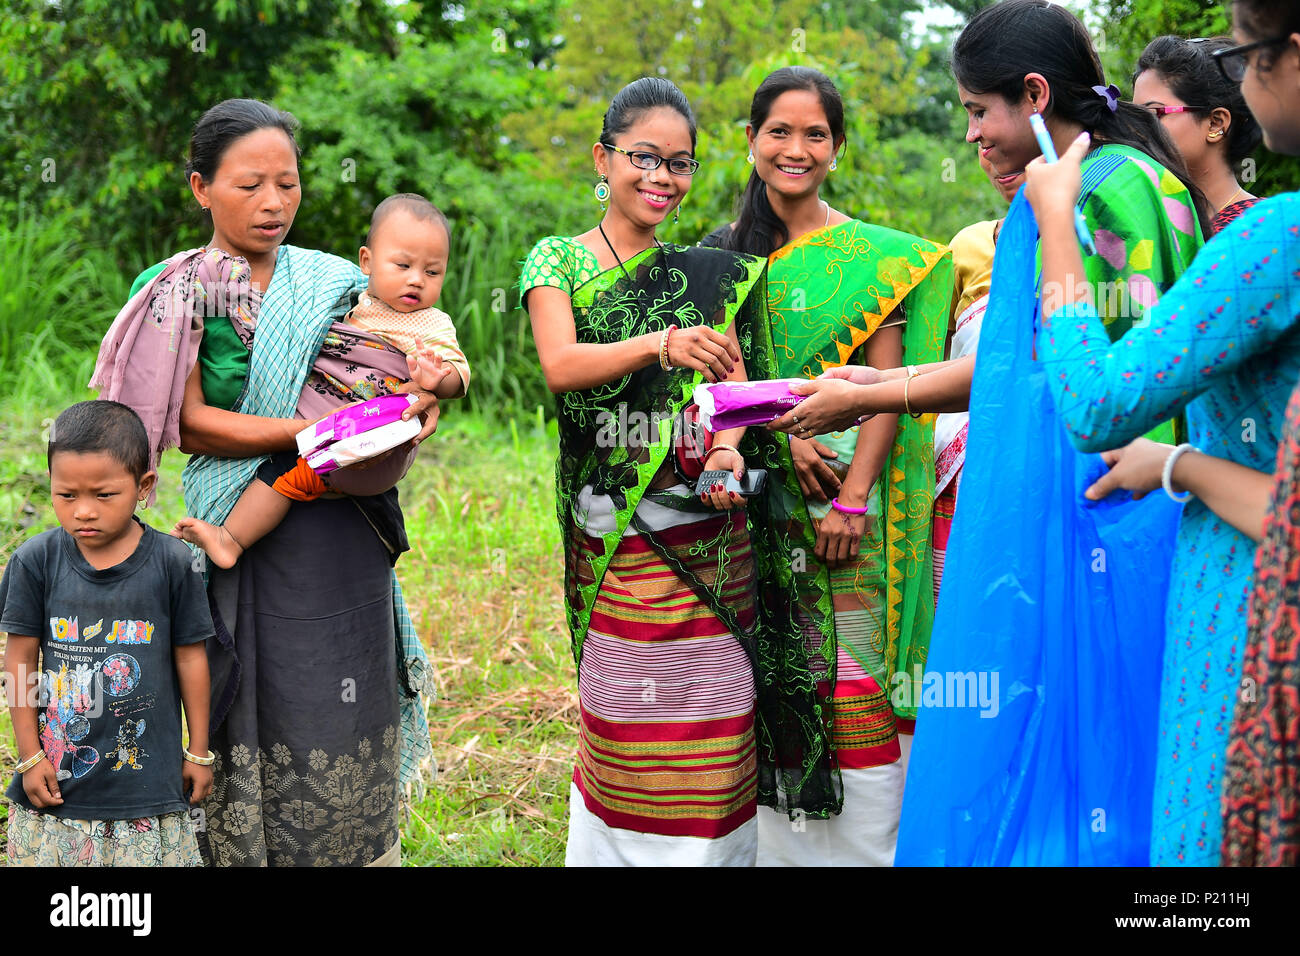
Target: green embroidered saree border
{"type": "Point", "coordinates": [657, 317]}
{"type": "Point", "coordinates": [829, 291]}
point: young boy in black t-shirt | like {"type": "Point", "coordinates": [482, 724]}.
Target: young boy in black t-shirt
{"type": "Point", "coordinates": [118, 615]}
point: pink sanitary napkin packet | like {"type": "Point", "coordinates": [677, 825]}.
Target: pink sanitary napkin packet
{"type": "Point", "coordinates": [359, 447]}
{"type": "Point", "coordinates": [735, 404]}
{"type": "Point", "coordinates": [352, 420]}
{"type": "Point", "coordinates": [357, 432]}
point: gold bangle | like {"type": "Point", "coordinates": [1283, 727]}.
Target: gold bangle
{"type": "Point", "coordinates": [30, 762]}
{"type": "Point", "coordinates": [663, 349]}
{"type": "Point", "coordinates": [201, 761]}
{"type": "Point", "coordinates": [906, 405]}
{"type": "Point", "coordinates": [718, 446]}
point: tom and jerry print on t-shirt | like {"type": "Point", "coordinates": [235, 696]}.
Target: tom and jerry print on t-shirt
{"type": "Point", "coordinates": [94, 692]}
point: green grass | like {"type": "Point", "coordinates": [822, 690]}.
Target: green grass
{"type": "Point", "coordinates": [483, 583]}
{"type": "Point", "coordinates": [58, 297]}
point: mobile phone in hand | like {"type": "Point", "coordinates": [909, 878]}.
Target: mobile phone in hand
{"type": "Point", "coordinates": [750, 484]}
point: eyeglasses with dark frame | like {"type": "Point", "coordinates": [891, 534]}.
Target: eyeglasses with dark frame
{"type": "Point", "coordinates": [1168, 110]}
{"type": "Point", "coordinates": [678, 165]}
{"type": "Point", "coordinates": [1233, 62]}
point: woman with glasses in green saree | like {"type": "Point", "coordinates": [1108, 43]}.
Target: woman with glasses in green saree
{"type": "Point", "coordinates": [678, 605]}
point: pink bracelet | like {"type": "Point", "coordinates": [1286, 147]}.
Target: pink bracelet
{"type": "Point", "coordinates": [845, 509]}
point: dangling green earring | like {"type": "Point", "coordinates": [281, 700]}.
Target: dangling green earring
{"type": "Point", "coordinates": [602, 191]}
{"type": "Point", "coordinates": [676, 210]}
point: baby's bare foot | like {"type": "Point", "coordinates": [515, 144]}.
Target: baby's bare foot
{"type": "Point", "coordinates": [216, 541]}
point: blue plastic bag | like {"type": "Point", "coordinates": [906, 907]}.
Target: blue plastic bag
{"type": "Point", "coordinates": [1056, 606]}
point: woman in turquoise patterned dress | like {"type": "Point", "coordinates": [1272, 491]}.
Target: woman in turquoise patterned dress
{"type": "Point", "coordinates": [1224, 345]}
{"type": "Point", "coordinates": [1259, 826]}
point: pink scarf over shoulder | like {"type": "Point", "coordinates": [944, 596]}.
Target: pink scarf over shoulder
{"type": "Point", "coordinates": [152, 345]}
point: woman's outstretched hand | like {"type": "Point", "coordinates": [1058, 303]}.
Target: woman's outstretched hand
{"type": "Point", "coordinates": [857, 374]}
{"type": "Point", "coordinates": [704, 349]}
{"type": "Point", "coordinates": [831, 406]}
{"type": "Point", "coordinates": [1137, 467]}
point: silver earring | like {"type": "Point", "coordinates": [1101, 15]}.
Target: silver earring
{"type": "Point", "coordinates": [750, 158]}
{"type": "Point", "coordinates": [602, 192]}
{"type": "Point", "coordinates": [676, 210]}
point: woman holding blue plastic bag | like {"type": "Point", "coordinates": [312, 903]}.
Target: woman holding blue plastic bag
{"type": "Point", "coordinates": [1225, 345]}
{"type": "Point", "coordinates": [1047, 609]}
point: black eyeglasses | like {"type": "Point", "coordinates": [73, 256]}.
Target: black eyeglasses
{"type": "Point", "coordinates": [678, 165]}
{"type": "Point", "coordinates": [1233, 61]}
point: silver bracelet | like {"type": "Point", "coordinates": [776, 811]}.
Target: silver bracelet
{"type": "Point", "coordinates": [1166, 477]}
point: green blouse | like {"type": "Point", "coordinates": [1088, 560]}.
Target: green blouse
{"type": "Point", "coordinates": [223, 360]}
{"type": "Point", "coordinates": [562, 263]}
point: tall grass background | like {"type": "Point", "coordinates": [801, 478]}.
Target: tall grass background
{"type": "Point", "coordinates": [60, 293]}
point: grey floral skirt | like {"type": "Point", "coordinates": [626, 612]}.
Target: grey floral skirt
{"type": "Point", "coordinates": [304, 711]}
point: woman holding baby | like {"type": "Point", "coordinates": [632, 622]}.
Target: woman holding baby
{"type": "Point", "coordinates": [316, 667]}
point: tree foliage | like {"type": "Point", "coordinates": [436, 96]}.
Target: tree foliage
{"type": "Point", "coordinates": [426, 119]}
{"type": "Point", "coordinates": [490, 108]}
{"type": "Point", "coordinates": [99, 97]}
{"type": "Point", "coordinates": [1132, 24]}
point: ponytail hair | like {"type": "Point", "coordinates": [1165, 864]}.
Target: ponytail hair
{"type": "Point", "coordinates": [1005, 42]}
{"type": "Point", "coordinates": [759, 230]}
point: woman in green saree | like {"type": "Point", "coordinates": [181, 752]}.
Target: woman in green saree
{"type": "Point", "coordinates": [858, 500]}
{"type": "Point", "coordinates": [678, 609]}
